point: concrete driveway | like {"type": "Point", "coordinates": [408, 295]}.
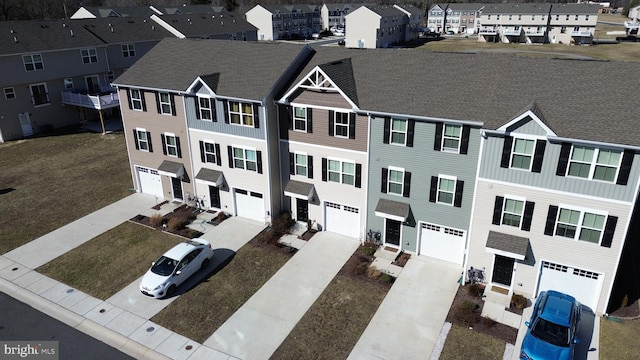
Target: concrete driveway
{"type": "Point", "coordinates": [408, 322]}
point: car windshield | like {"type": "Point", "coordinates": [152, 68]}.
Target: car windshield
{"type": "Point", "coordinates": [164, 266]}
{"type": "Point", "coordinates": [551, 332]}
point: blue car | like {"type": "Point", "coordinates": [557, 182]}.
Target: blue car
{"type": "Point", "coordinates": [551, 331]}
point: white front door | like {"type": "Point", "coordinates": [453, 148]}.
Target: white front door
{"type": "Point", "coordinates": [584, 285]}
{"type": "Point", "coordinates": [250, 204]}
{"type": "Point", "coordinates": [25, 123]}
{"type": "Point", "coordinates": [150, 182]}
{"type": "Point", "coordinates": [442, 242]}
{"type": "Point", "coordinates": [342, 219]}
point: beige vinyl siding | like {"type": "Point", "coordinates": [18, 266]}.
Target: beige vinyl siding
{"type": "Point", "coordinates": [325, 99]}
{"type": "Point", "coordinates": [320, 134]}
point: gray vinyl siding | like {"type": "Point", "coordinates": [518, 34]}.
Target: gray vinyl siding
{"type": "Point", "coordinates": [547, 178]}
{"type": "Point", "coordinates": [117, 61]}
{"type": "Point", "coordinates": [219, 126]}
{"type": "Point", "coordinates": [423, 162]}
{"type": "Point", "coordinates": [530, 128]}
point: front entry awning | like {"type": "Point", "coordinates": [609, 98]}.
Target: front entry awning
{"type": "Point", "coordinates": [210, 177]}
{"type": "Point", "coordinates": [299, 190]}
{"type": "Point", "coordinates": [173, 169]}
{"type": "Point", "coordinates": [394, 210]}
{"type": "Point", "coordinates": [512, 246]}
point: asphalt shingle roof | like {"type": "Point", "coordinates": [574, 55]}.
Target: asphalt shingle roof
{"type": "Point", "coordinates": [575, 9]}
{"type": "Point", "coordinates": [21, 37]}
{"type": "Point", "coordinates": [515, 9]}
{"type": "Point", "coordinates": [118, 30]}
{"type": "Point", "coordinates": [196, 25]}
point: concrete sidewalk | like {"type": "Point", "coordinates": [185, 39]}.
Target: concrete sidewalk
{"type": "Point", "coordinates": [408, 322]}
{"type": "Point", "coordinates": [258, 328]}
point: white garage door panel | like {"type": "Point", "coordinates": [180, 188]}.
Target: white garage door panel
{"type": "Point", "coordinates": [442, 243]}
{"type": "Point", "coordinates": [250, 205]}
{"type": "Point", "coordinates": [342, 219]}
{"type": "Point", "coordinates": [582, 284]}
{"type": "Point", "coordinates": [150, 182]}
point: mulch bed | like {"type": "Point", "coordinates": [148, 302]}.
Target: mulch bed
{"type": "Point", "coordinates": [358, 267]}
{"type": "Point", "coordinates": [465, 311]}
{"type": "Point", "coordinates": [182, 215]}
{"type": "Point", "coordinates": [628, 312]}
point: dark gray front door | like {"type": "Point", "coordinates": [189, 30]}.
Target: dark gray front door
{"type": "Point", "coordinates": [214, 195]}
{"type": "Point", "coordinates": [392, 232]}
{"type": "Point", "coordinates": [502, 270]}
{"type": "Point", "coordinates": [176, 184]}
{"type": "Point", "coordinates": [302, 210]}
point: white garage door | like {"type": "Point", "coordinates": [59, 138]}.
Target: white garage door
{"type": "Point", "coordinates": [150, 182]}
{"type": "Point", "coordinates": [250, 205]}
{"type": "Point", "coordinates": [582, 284]}
{"type": "Point", "coordinates": [342, 219]}
{"type": "Point", "coordinates": [442, 243]}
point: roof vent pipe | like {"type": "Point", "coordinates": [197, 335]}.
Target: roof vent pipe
{"type": "Point", "coordinates": [15, 39]}
{"type": "Point", "coordinates": [71, 31]}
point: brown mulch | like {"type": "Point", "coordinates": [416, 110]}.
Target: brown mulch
{"type": "Point", "coordinates": [358, 267]}
{"type": "Point", "coordinates": [465, 311]}
{"type": "Point", "coordinates": [630, 312]}
{"type": "Point", "coordinates": [183, 215]}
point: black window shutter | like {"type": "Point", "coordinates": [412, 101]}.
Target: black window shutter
{"type": "Point", "coordinates": [387, 130]}
{"type": "Point", "coordinates": [164, 144]}
{"type": "Point", "coordinates": [331, 122]}
{"type": "Point", "coordinates": [212, 103]}
{"type": "Point", "coordinates": [538, 156]}
{"type": "Point", "coordinates": [178, 147]}
{"type": "Point", "coordinates": [225, 104]}
{"type": "Point", "coordinates": [464, 143]}
{"type": "Point", "coordinates": [528, 215]}
{"type": "Point", "coordinates": [411, 125]}
{"type": "Point", "coordinates": [352, 126]}
{"type": "Point", "coordinates": [407, 184]}
{"type": "Point", "coordinates": [563, 161]}
{"type": "Point", "coordinates": [497, 210]}
{"type": "Point", "coordinates": [310, 167]}
{"type": "Point", "coordinates": [324, 169]}
{"type": "Point", "coordinates": [551, 220]}
{"type": "Point", "coordinates": [218, 155]}
{"type": "Point", "coordinates": [149, 141]}
{"type": "Point", "coordinates": [358, 175]}
{"type": "Point", "coordinates": [135, 139]}
{"type": "Point", "coordinates": [172, 98]}
{"type": "Point", "coordinates": [256, 116]}
{"type": "Point", "coordinates": [385, 175]}
{"type": "Point", "coordinates": [158, 102]}
{"type": "Point", "coordinates": [292, 164]}
{"type": "Point", "coordinates": [230, 155]}
{"type": "Point", "coordinates": [202, 157]}
{"type": "Point", "coordinates": [609, 230]}
{"type": "Point", "coordinates": [506, 152]}
{"type": "Point", "coordinates": [309, 120]}
{"type": "Point", "coordinates": [433, 190]}
{"type": "Point", "coordinates": [457, 200]}
{"type": "Point", "coordinates": [196, 101]}
{"type": "Point", "coordinates": [437, 142]}
{"type": "Point", "coordinates": [625, 167]}
{"type": "Point", "coordinates": [129, 99]}
{"type": "Point", "coordinates": [144, 102]}
{"type": "Point", "coordinates": [259, 156]}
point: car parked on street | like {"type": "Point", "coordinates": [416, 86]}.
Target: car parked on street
{"type": "Point", "coordinates": [551, 331]}
{"type": "Point", "coordinates": [175, 267]}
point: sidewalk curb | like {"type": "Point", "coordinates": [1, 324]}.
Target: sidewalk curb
{"type": "Point", "coordinates": [79, 323]}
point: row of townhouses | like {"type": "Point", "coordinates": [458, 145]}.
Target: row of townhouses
{"type": "Point", "coordinates": [57, 73]}
{"type": "Point", "coordinates": [525, 175]}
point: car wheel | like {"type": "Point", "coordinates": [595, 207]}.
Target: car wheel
{"type": "Point", "coordinates": [205, 264]}
{"type": "Point", "coordinates": [171, 290]}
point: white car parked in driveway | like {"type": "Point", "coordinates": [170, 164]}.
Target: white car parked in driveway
{"type": "Point", "coordinates": [175, 267]}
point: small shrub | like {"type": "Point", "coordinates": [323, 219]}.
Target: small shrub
{"type": "Point", "coordinates": [466, 312]}
{"type": "Point", "coordinates": [368, 251]}
{"type": "Point", "coordinates": [518, 301]}
{"type": "Point", "coordinates": [402, 259]}
{"type": "Point", "coordinates": [625, 301]}
{"type": "Point", "coordinates": [374, 273]}
{"type": "Point", "coordinates": [221, 216]}
{"type": "Point", "coordinates": [369, 248]}
{"type": "Point", "coordinates": [281, 224]}
{"type": "Point", "coordinates": [476, 290]}
{"type": "Point", "coordinates": [386, 278]}
{"type": "Point", "coordinates": [155, 220]}
{"type": "Point", "coordinates": [178, 222]}
{"type": "Point", "coordinates": [356, 265]}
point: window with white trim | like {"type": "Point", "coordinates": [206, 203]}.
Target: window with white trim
{"type": "Point", "coordinates": [245, 159]}
{"type": "Point", "coordinates": [580, 225]}
{"type": "Point", "coordinates": [395, 181]}
{"type": "Point", "coordinates": [446, 190]}
{"type": "Point", "coordinates": [171, 145]}
{"type": "Point", "coordinates": [165, 103]}
{"type": "Point", "coordinates": [209, 150]}
{"type": "Point", "coordinates": [9, 93]}
{"type": "Point", "coordinates": [512, 212]}
{"type": "Point", "coordinates": [301, 164]}
{"type": "Point", "coordinates": [341, 171]}
{"type": "Point", "coordinates": [398, 131]}
{"type": "Point", "coordinates": [594, 164]}
{"type": "Point", "coordinates": [341, 124]}
{"type": "Point", "coordinates": [522, 153]}
{"type": "Point", "coordinates": [39, 94]}
{"type": "Point", "coordinates": [451, 137]}
{"type": "Point", "coordinates": [241, 113]}
{"type": "Point", "coordinates": [68, 83]}
{"type": "Point", "coordinates": [136, 99]}
{"type": "Point", "coordinates": [300, 118]}
{"type": "Point", "coordinates": [128, 50]}
{"type": "Point", "coordinates": [204, 105]}
{"type": "Point", "coordinates": [143, 140]}
{"type": "Point", "coordinates": [89, 56]}
{"type": "Point", "coordinates": [33, 62]}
